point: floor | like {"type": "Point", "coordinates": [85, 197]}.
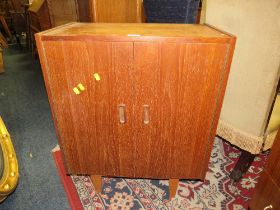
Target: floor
{"type": "Point", "coordinates": [216, 192]}
{"type": "Point", "coordinates": [24, 108]}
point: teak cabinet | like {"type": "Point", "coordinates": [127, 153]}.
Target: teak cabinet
{"type": "Point", "coordinates": [136, 100]}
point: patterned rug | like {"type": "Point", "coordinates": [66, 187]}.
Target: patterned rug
{"type": "Point", "coordinates": [216, 192]}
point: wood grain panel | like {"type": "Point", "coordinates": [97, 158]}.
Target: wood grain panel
{"type": "Point", "coordinates": [146, 83]}
{"type": "Point", "coordinates": [178, 72]}
{"type": "Point", "coordinates": [180, 92]}
{"type": "Point", "coordinates": [89, 109]}
{"type": "Point", "coordinates": [111, 11]}
{"type": "Point", "coordinates": [200, 67]}
{"type": "Point", "coordinates": [273, 164]}
{"type": "Point", "coordinates": [169, 66]}
{"type": "Point", "coordinates": [62, 11]}
{"type": "Point", "coordinates": [121, 80]}
{"type": "Point", "coordinates": [56, 81]}
{"type": "Point", "coordinates": [143, 32]}
{"type": "Point", "coordinates": [94, 112]}
{"type": "Point", "coordinates": [75, 70]}
{"type": "Point", "coordinates": [103, 158]}
{"type": "Point", "coordinates": [219, 101]}
{"type": "Point", "coordinates": [266, 193]}
{"type": "Point", "coordinates": [83, 10]}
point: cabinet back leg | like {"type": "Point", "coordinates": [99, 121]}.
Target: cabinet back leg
{"type": "Point", "coordinates": [97, 182]}
{"type": "Point", "coordinates": [173, 185]}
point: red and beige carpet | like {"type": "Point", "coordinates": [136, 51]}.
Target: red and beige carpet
{"type": "Point", "coordinates": [216, 192]}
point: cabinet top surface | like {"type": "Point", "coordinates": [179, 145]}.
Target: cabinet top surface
{"type": "Point", "coordinates": [135, 30]}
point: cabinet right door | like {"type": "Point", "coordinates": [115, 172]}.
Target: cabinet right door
{"type": "Point", "coordinates": [180, 83]}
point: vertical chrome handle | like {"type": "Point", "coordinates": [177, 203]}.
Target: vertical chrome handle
{"type": "Point", "coordinates": [122, 113]}
{"type": "Point", "coordinates": [146, 114]}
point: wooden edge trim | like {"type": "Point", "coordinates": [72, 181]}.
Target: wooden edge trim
{"type": "Point", "coordinates": [239, 138]}
{"type": "Point", "coordinates": [220, 30]}
{"type": "Point", "coordinates": [92, 11]}
{"type": "Point", "coordinates": [56, 28]}
{"type": "Point", "coordinates": [118, 38]}
{"type": "Point", "coordinates": [219, 102]}
{"type": "Point", "coordinates": [44, 65]}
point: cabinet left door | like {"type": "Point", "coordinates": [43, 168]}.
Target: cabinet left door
{"type": "Point", "coordinates": [87, 120]}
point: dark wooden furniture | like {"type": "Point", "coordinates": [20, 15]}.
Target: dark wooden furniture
{"type": "Point", "coordinates": [5, 26]}
{"type": "Point", "coordinates": [267, 193]}
{"type": "Point", "coordinates": [46, 14]}
{"type": "Point", "coordinates": [39, 20]}
{"type": "Point", "coordinates": [136, 100]}
{"type": "Point", "coordinates": [39, 16]}
{"type": "Point", "coordinates": [62, 11]}
{"type": "Point", "coordinates": [83, 10]}
{"type": "Point", "coordinates": [3, 44]}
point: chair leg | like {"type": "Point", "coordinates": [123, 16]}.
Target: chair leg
{"type": "Point", "coordinates": [18, 41]}
{"type": "Point", "coordinates": [243, 164]}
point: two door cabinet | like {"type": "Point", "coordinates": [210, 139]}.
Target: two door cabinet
{"type": "Point", "coordinates": [136, 100]}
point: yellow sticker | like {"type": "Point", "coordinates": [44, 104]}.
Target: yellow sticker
{"type": "Point", "coordinates": [97, 77]}
{"type": "Point", "coordinates": [76, 91]}
{"type": "Point", "coordinates": [82, 88]}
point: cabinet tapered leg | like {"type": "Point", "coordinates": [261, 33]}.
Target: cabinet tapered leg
{"type": "Point", "coordinates": [97, 182]}
{"type": "Point", "coordinates": [173, 185]}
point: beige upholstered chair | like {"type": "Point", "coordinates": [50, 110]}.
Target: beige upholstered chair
{"type": "Point", "coordinates": [254, 71]}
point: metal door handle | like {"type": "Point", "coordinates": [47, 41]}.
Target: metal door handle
{"type": "Point", "coordinates": [268, 207]}
{"type": "Point", "coordinates": [146, 114]}
{"type": "Point", "coordinates": [122, 113]}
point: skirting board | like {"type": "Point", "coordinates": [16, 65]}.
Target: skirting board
{"type": "Point", "coordinates": [243, 140]}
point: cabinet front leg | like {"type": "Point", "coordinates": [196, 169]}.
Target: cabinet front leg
{"type": "Point", "coordinates": [173, 185]}
{"type": "Point", "coordinates": [97, 182]}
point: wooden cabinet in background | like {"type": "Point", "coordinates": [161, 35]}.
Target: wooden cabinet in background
{"type": "Point", "coordinates": [40, 19]}
{"type": "Point", "coordinates": [136, 100]}
{"type": "Point", "coordinates": [267, 192]}
{"type": "Point", "coordinates": [62, 11]}
{"type": "Point", "coordinates": [112, 11]}
{"type": "Point", "coordinates": [46, 14]}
